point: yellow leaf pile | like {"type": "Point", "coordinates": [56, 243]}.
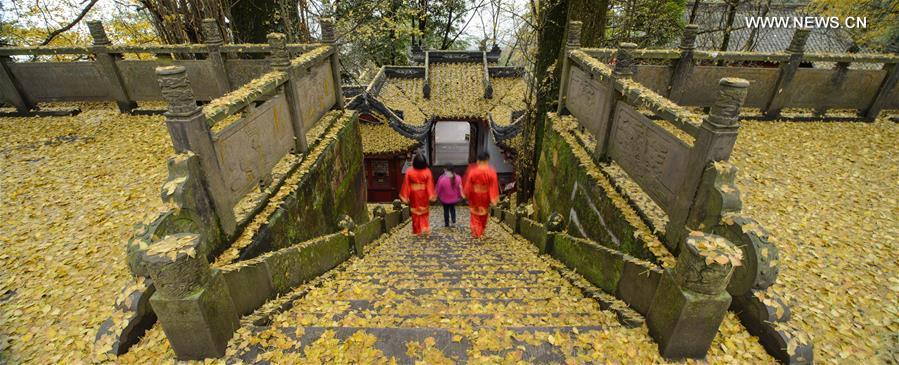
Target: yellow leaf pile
{"type": "Point", "coordinates": [827, 192]}
{"type": "Point", "coordinates": [72, 188]}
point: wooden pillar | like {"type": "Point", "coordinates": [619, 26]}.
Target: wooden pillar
{"type": "Point", "coordinates": [426, 87]}
{"type": "Point", "coordinates": [187, 127]}
{"type": "Point", "coordinates": [787, 71]}
{"type": "Point", "coordinates": [106, 65]}
{"type": "Point", "coordinates": [328, 36]}
{"type": "Point", "coordinates": [280, 62]}
{"type": "Point", "coordinates": [11, 89]}
{"type": "Point", "coordinates": [841, 69]}
{"type": "Point", "coordinates": [574, 42]}
{"type": "Point", "coordinates": [683, 67]}
{"type": "Point", "coordinates": [714, 142]}
{"type": "Point", "coordinates": [624, 69]}
{"type": "Point", "coordinates": [215, 58]}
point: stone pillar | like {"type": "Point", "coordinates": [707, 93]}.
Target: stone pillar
{"type": "Point", "coordinates": [683, 67]}
{"type": "Point", "coordinates": [348, 228]}
{"type": "Point", "coordinates": [888, 84]}
{"type": "Point", "coordinates": [714, 142]}
{"type": "Point", "coordinates": [381, 215]}
{"type": "Point", "coordinates": [280, 61]}
{"type": "Point", "coordinates": [574, 42]}
{"type": "Point", "coordinates": [521, 212]}
{"type": "Point", "coordinates": [216, 59]}
{"type": "Point", "coordinates": [187, 127]}
{"type": "Point", "coordinates": [691, 300]}
{"type": "Point", "coordinates": [329, 36]}
{"type": "Point", "coordinates": [787, 72]}
{"type": "Point", "coordinates": [106, 65]}
{"type": "Point", "coordinates": [193, 304]}
{"type": "Point", "coordinates": [554, 224]}
{"type": "Point", "coordinates": [624, 66]}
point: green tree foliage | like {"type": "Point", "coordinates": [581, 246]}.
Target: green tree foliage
{"type": "Point", "coordinates": [648, 23]}
{"type": "Point", "coordinates": [882, 32]}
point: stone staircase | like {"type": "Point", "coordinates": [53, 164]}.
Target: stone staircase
{"type": "Point", "coordinates": [445, 299]}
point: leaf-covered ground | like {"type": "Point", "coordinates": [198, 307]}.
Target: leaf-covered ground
{"type": "Point", "coordinates": [828, 192]}
{"type": "Point", "coordinates": [71, 190]}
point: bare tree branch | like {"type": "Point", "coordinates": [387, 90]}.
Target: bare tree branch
{"type": "Point", "coordinates": [75, 21]}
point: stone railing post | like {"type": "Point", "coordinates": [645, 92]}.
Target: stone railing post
{"type": "Point", "coordinates": [888, 84]}
{"type": "Point", "coordinates": [691, 301]}
{"type": "Point", "coordinates": [329, 36]}
{"type": "Point", "coordinates": [714, 142]}
{"type": "Point", "coordinates": [280, 61]}
{"type": "Point", "coordinates": [213, 36]}
{"type": "Point", "coordinates": [624, 69]}
{"type": "Point", "coordinates": [683, 67]}
{"type": "Point", "coordinates": [11, 89]}
{"type": "Point", "coordinates": [348, 229]}
{"type": "Point", "coordinates": [787, 72]}
{"type": "Point", "coordinates": [381, 215]}
{"type": "Point", "coordinates": [193, 304]}
{"type": "Point", "coordinates": [187, 127]}
{"type": "Point", "coordinates": [106, 64]}
{"type": "Point", "coordinates": [521, 212]}
{"type": "Point", "coordinates": [574, 42]}
{"type": "Point", "coordinates": [554, 225]}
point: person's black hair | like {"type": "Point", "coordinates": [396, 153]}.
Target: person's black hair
{"type": "Point", "coordinates": [484, 156]}
{"type": "Point", "coordinates": [419, 162]}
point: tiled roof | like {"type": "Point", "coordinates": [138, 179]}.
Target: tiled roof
{"type": "Point", "coordinates": [712, 15]}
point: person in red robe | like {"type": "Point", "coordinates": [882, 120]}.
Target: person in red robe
{"type": "Point", "coordinates": [418, 192]}
{"type": "Point", "coordinates": [481, 188]}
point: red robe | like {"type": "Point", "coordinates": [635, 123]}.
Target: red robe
{"type": "Point", "coordinates": [418, 191]}
{"type": "Point", "coordinates": [482, 190]}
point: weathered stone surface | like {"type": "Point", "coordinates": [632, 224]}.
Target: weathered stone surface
{"type": "Point", "coordinates": [684, 322]}
{"type": "Point", "coordinates": [190, 211]}
{"type": "Point", "coordinates": [706, 263]}
{"type": "Point", "coordinates": [199, 324]}
{"type": "Point", "coordinates": [175, 265]}
{"type": "Point", "coordinates": [638, 284]}
{"type": "Point", "coordinates": [369, 232]}
{"type": "Point", "coordinates": [598, 264]}
{"type": "Point", "coordinates": [250, 285]}
{"type": "Point", "coordinates": [294, 265]}
{"type": "Point", "coordinates": [760, 256]}
{"type": "Point", "coordinates": [533, 232]}
{"type": "Point", "coordinates": [393, 219]}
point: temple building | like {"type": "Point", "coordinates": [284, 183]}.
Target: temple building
{"type": "Point", "coordinates": [449, 105]}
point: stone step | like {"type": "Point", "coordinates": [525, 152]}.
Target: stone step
{"type": "Point", "coordinates": [457, 292]}
{"type": "Point", "coordinates": [443, 273]}
{"type": "Point", "coordinates": [395, 342]}
{"type": "Point", "coordinates": [406, 305]}
{"type": "Point", "coordinates": [406, 283]}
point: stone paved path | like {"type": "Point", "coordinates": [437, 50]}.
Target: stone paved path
{"type": "Point", "coordinates": [445, 299]}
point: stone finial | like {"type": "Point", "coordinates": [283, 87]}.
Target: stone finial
{"type": "Point", "coordinates": [574, 34]}
{"type": "Point", "coordinates": [397, 204]}
{"type": "Point", "coordinates": [98, 33]}
{"type": "Point", "coordinates": [346, 223]}
{"type": "Point", "coordinates": [624, 59]}
{"type": "Point", "coordinates": [380, 212]}
{"type": "Point", "coordinates": [555, 222]}
{"type": "Point", "coordinates": [176, 265]}
{"type": "Point", "coordinates": [797, 44]}
{"type": "Point", "coordinates": [279, 57]}
{"type": "Point", "coordinates": [731, 95]}
{"type": "Point", "coordinates": [176, 91]}
{"type": "Point", "coordinates": [211, 32]}
{"type": "Point", "coordinates": [328, 33]}
{"type": "Point", "coordinates": [688, 42]}
{"type": "Point", "coordinates": [521, 210]}
{"type": "Point", "coordinates": [706, 263]}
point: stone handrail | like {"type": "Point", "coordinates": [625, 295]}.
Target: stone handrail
{"type": "Point", "coordinates": [740, 56]}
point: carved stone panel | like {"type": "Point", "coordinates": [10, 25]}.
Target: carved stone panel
{"type": "Point", "coordinates": [315, 93]}
{"type": "Point", "coordinates": [651, 155]}
{"type": "Point", "coordinates": [588, 100]}
{"type": "Point", "coordinates": [248, 149]}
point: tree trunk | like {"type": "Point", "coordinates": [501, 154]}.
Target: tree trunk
{"type": "Point", "coordinates": [729, 24]}
{"type": "Point", "coordinates": [594, 15]}
{"type": "Point", "coordinates": [550, 42]}
{"type": "Point", "coordinates": [693, 12]}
